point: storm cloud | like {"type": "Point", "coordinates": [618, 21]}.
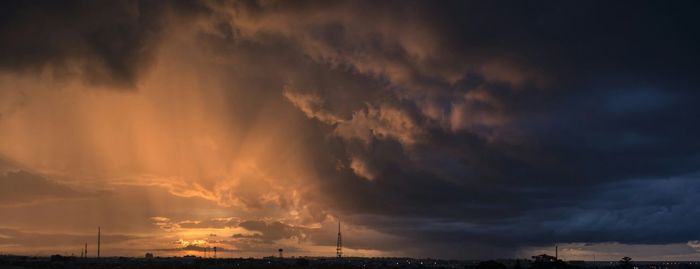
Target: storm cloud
{"type": "Point", "coordinates": [102, 43]}
{"type": "Point", "coordinates": [447, 129]}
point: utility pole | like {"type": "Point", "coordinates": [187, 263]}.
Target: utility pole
{"type": "Point", "coordinates": [594, 261]}
{"type": "Point", "coordinates": [98, 241]}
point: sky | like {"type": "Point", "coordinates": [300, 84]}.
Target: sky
{"type": "Point", "coordinates": [444, 129]}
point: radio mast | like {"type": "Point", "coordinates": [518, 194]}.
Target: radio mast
{"type": "Point", "coordinates": [339, 245]}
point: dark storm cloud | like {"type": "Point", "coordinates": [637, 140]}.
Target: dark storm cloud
{"type": "Point", "coordinates": [102, 42]}
{"type": "Point", "coordinates": [515, 129]}
{"type": "Point", "coordinates": [459, 128]}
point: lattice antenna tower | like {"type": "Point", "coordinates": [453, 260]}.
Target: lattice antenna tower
{"type": "Point", "coordinates": [339, 245]}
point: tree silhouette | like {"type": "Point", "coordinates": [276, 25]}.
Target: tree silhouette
{"type": "Point", "coordinates": [626, 263]}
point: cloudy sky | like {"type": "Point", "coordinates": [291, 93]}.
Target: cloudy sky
{"type": "Point", "coordinates": [449, 129]}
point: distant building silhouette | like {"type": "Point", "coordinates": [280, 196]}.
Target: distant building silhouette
{"type": "Point", "coordinates": [544, 258]}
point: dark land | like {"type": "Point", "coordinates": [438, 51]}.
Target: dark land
{"type": "Point", "coordinates": [537, 262]}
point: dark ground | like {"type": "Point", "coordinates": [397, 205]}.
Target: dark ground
{"type": "Point", "coordinates": [57, 261]}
